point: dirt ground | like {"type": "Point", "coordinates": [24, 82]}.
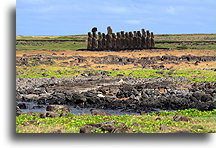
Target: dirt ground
{"type": "Point", "coordinates": [132, 54]}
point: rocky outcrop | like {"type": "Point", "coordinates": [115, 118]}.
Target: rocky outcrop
{"type": "Point", "coordinates": [108, 126]}
{"type": "Point", "coordinates": [134, 95]}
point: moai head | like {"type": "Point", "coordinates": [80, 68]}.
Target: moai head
{"type": "Point", "coordinates": [143, 31]}
{"type": "Point", "coordinates": [135, 34]}
{"type": "Point", "coordinates": [94, 29]}
{"type": "Point", "coordinates": [130, 34]}
{"type": "Point", "coordinates": [126, 34]}
{"type": "Point", "coordinates": [103, 35]}
{"type": "Point", "coordinates": [109, 30]}
{"type": "Point", "coordinates": [148, 33]}
{"type": "Point", "coordinates": [118, 34]}
{"type": "Point", "coordinates": [99, 35]}
{"type": "Point", "coordinates": [152, 35]}
{"type": "Point", "coordinates": [89, 34]}
{"type": "Point", "coordinates": [138, 33]}
{"type": "Point", "coordinates": [122, 34]}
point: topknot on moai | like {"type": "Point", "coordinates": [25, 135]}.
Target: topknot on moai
{"type": "Point", "coordinates": [120, 40]}
{"type": "Point", "coordinates": [94, 29]}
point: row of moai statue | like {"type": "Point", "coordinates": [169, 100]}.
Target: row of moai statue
{"type": "Point", "coordinates": [120, 40]}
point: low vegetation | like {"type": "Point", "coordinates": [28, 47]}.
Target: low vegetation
{"type": "Point", "coordinates": [44, 71]}
{"type": "Point", "coordinates": [160, 122]}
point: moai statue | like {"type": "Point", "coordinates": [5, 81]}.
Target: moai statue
{"type": "Point", "coordinates": [131, 40]}
{"type": "Point", "coordinates": [113, 41]}
{"type": "Point", "coordinates": [127, 40]}
{"type": "Point", "coordinates": [94, 39]}
{"type": "Point", "coordinates": [122, 40]}
{"type": "Point", "coordinates": [135, 39]}
{"type": "Point", "coordinates": [109, 30]}
{"type": "Point", "coordinates": [143, 32]}
{"type": "Point", "coordinates": [147, 39]}
{"type": "Point", "coordinates": [108, 41]}
{"type": "Point", "coordinates": [139, 36]}
{"type": "Point", "coordinates": [103, 41]}
{"type": "Point", "coordinates": [89, 45]}
{"type": "Point", "coordinates": [99, 40]}
{"type": "Point", "coordinates": [143, 39]}
{"type": "Point", "coordinates": [118, 41]}
{"type": "Point", "coordinates": [135, 33]}
{"type": "Point", "coordinates": [152, 45]}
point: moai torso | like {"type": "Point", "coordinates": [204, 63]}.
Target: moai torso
{"type": "Point", "coordinates": [118, 41]}
{"type": "Point", "coordinates": [122, 40]}
{"type": "Point", "coordinates": [99, 40]}
{"type": "Point", "coordinates": [109, 41]}
{"type": "Point", "coordinates": [147, 39]}
{"type": "Point", "coordinates": [127, 40]}
{"type": "Point", "coordinates": [135, 39]}
{"type": "Point", "coordinates": [152, 43]}
{"type": "Point", "coordinates": [138, 39]}
{"type": "Point", "coordinates": [143, 39]}
{"type": "Point", "coordinates": [89, 45]}
{"type": "Point", "coordinates": [103, 41]}
{"type": "Point", "coordinates": [94, 39]}
{"type": "Point", "coordinates": [131, 40]}
{"type": "Point", "coordinates": [113, 41]}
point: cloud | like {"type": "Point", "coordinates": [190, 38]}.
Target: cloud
{"type": "Point", "coordinates": [171, 10]}
{"type": "Point", "coordinates": [134, 22]}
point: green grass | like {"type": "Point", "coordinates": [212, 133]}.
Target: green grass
{"type": "Point", "coordinates": [71, 45]}
{"type": "Point", "coordinates": [68, 37]}
{"type": "Point", "coordinates": [82, 45]}
{"type": "Point", "coordinates": [71, 71]}
{"type": "Point", "coordinates": [199, 121]}
{"type": "Point", "coordinates": [51, 71]}
{"type": "Point", "coordinates": [185, 37]}
{"type": "Point", "coordinates": [190, 74]}
{"type": "Point", "coordinates": [187, 46]}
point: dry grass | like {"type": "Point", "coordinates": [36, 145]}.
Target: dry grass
{"type": "Point", "coordinates": [132, 54]}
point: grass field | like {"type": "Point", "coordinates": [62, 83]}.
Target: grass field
{"type": "Point", "coordinates": [71, 45]}
{"type": "Point", "coordinates": [162, 122]}
{"type": "Point", "coordinates": [55, 61]}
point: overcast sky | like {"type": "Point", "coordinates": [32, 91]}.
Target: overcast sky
{"type": "Point", "coordinates": [67, 17]}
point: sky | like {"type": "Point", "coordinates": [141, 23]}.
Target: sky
{"type": "Point", "coordinates": [76, 17]}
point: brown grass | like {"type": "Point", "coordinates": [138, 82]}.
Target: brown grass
{"type": "Point", "coordinates": [132, 54]}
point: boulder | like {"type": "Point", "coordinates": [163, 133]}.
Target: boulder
{"type": "Point", "coordinates": [99, 113]}
{"type": "Point", "coordinates": [180, 118]}
{"type": "Point", "coordinates": [87, 129]}
{"type": "Point", "coordinates": [49, 114]}
{"type": "Point", "coordinates": [201, 96]}
{"type": "Point", "coordinates": [62, 109]}
{"type": "Point", "coordinates": [30, 97]}
{"type": "Point", "coordinates": [164, 127]}
{"type": "Point", "coordinates": [23, 106]}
